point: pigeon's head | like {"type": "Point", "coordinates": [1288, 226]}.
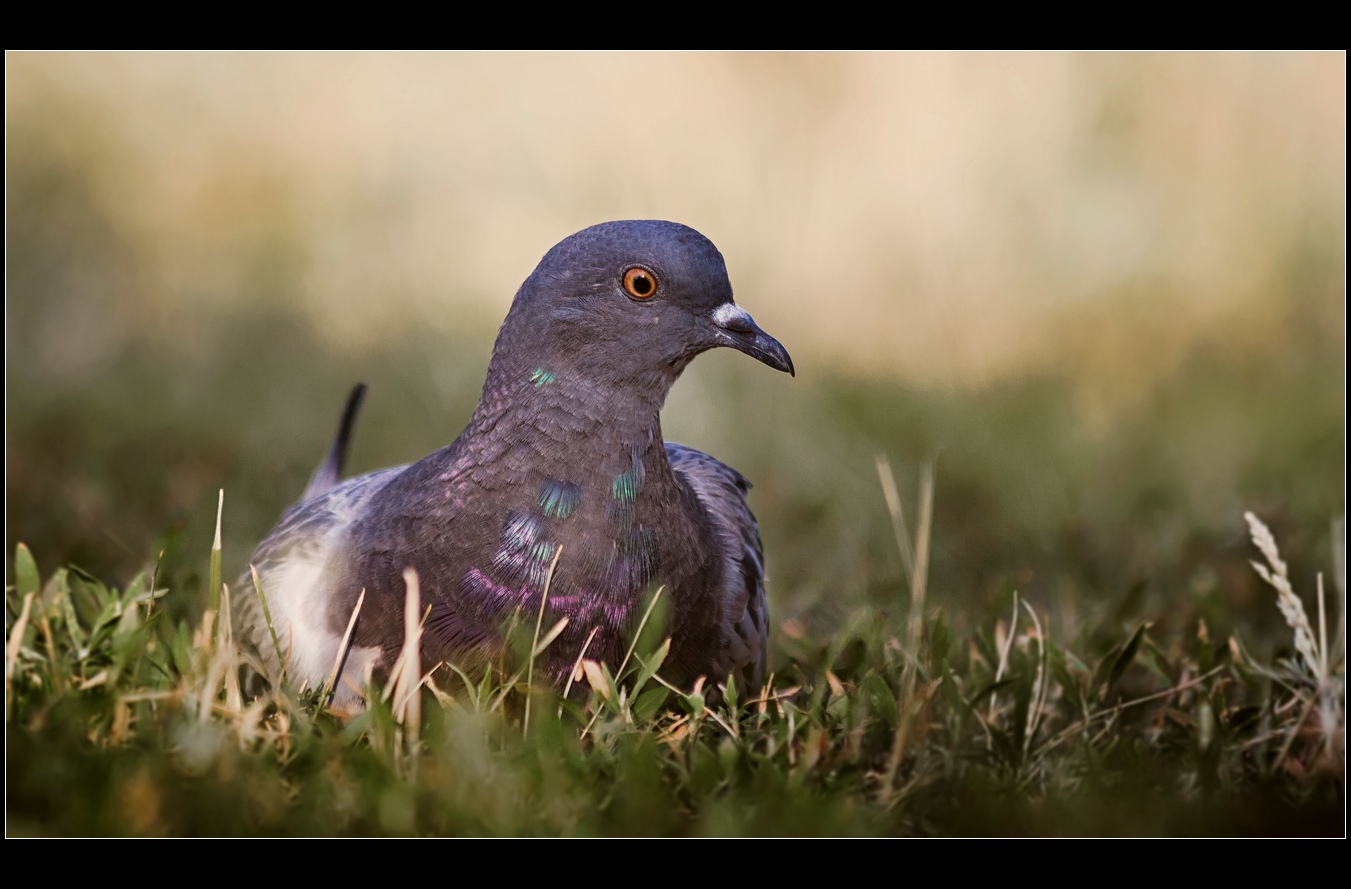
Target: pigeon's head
{"type": "Point", "coordinates": [629, 304]}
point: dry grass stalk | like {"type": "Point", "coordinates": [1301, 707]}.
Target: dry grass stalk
{"type": "Point", "coordinates": [897, 514]}
{"type": "Point", "coordinates": [919, 581]}
{"type": "Point", "coordinates": [1330, 694]}
{"type": "Point", "coordinates": [272, 631]}
{"type": "Point", "coordinates": [908, 708]}
{"type": "Point", "coordinates": [49, 642]}
{"type": "Point", "coordinates": [228, 655]}
{"type": "Point", "coordinates": [1292, 608]}
{"type": "Point", "coordinates": [1339, 578]}
{"type": "Point", "coordinates": [534, 643]}
{"type": "Point", "coordinates": [343, 649]}
{"type": "Point", "coordinates": [1041, 683]}
{"type": "Point", "coordinates": [577, 672]}
{"type": "Point", "coordinates": [1005, 644]}
{"type": "Point", "coordinates": [405, 677]}
{"type": "Point", "coordinates": [12, 651]}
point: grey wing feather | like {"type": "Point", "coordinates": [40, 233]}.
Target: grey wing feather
{"type": "Point", "coordinates": [292, 563]}
{"type": "Point", "coordinates": [722, 491]}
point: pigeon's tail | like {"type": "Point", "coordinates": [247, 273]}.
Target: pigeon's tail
{"type": "Point", "coordinates": [329, 472]}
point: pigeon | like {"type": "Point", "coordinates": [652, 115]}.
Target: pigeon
{"type": "Point", "coordinates": [561, 488]}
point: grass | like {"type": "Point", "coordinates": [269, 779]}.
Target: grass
{"type": "Point", "coordinates": [122, 721]}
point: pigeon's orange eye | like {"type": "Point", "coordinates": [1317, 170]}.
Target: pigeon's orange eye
{"type": "Point", "coordinates": [640, 283]}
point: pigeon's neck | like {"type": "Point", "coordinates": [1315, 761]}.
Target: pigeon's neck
{"type": "Point", "coordinates": [554, 409]}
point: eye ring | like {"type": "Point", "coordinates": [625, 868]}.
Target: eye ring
{"type": "Point", "coordinates": [640, 283]}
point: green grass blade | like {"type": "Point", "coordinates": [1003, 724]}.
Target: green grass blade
{"type": "Point", "coordinates": [26, 577]}
{"type": "Point", "coordinates": [214, 578]}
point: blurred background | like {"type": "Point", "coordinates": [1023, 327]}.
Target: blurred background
{"type": "Point", "coordinates": [1106, 292]}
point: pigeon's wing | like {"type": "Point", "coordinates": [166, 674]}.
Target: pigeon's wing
{"type": "Point", "coordinates": [308, 608]}
{"type": "Point", "coordinates": [722, 492]}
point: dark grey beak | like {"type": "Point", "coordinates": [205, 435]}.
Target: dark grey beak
{"type": "Point", "coordinates": [737, 329]}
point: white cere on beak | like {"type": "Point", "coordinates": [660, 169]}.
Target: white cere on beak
{"type": "Point", "coordinates": [730, 316]}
